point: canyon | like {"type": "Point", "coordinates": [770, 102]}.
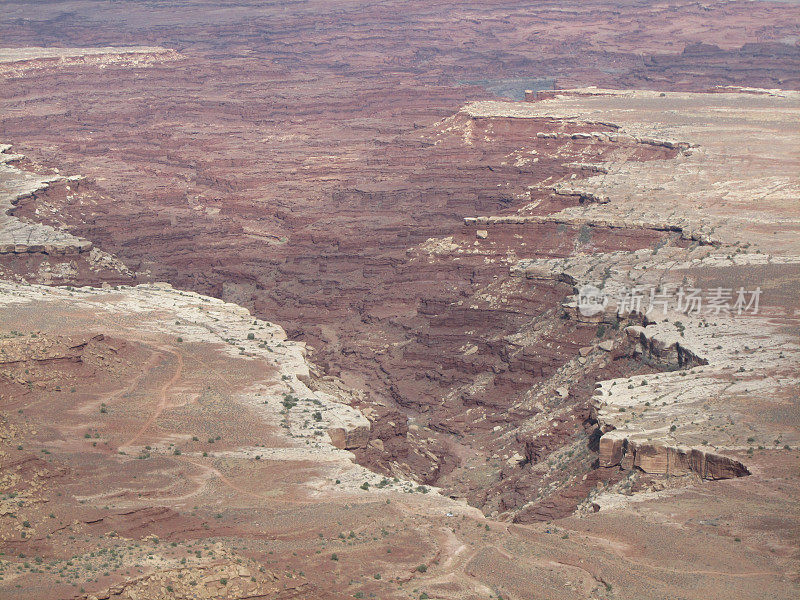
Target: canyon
{"type": "Point", "coordinates": [317, 326]}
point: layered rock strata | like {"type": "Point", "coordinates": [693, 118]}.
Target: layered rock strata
{"type": "Point", "coordinates": [33, 251]}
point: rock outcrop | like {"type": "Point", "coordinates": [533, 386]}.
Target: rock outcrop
{"type": "Point", "coordinates": [17, 237]}
{"type": "Point", "coordinates": [665, 350]}
{"type": "Point", "coordinates": [616, 450]}
{"type": "Point", "coordinates": [37, 252]}
{"type": "Point", "coordinates": [15, 62]}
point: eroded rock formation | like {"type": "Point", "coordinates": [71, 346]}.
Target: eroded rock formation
{"type": "Point", "coordinates": [32, 251]}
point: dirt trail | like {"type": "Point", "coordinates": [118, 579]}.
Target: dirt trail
{"type": "Point", "coordinates": [162, 401]}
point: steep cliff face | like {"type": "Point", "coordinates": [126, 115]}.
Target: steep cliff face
{"type": "Point", "coordinates": [655, 458]}
{"type": "Point", "coordinates": [666, 351]}
{"type": "Point", "coordinates": [37, 252]}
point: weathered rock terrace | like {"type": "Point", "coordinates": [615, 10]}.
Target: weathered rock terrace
{"type": "Point", "coordinates": [16, 61]}
{"type": "Point", "coordinates": [18, 237]}
{"type": "Point", "coordinates": [734, 147]}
